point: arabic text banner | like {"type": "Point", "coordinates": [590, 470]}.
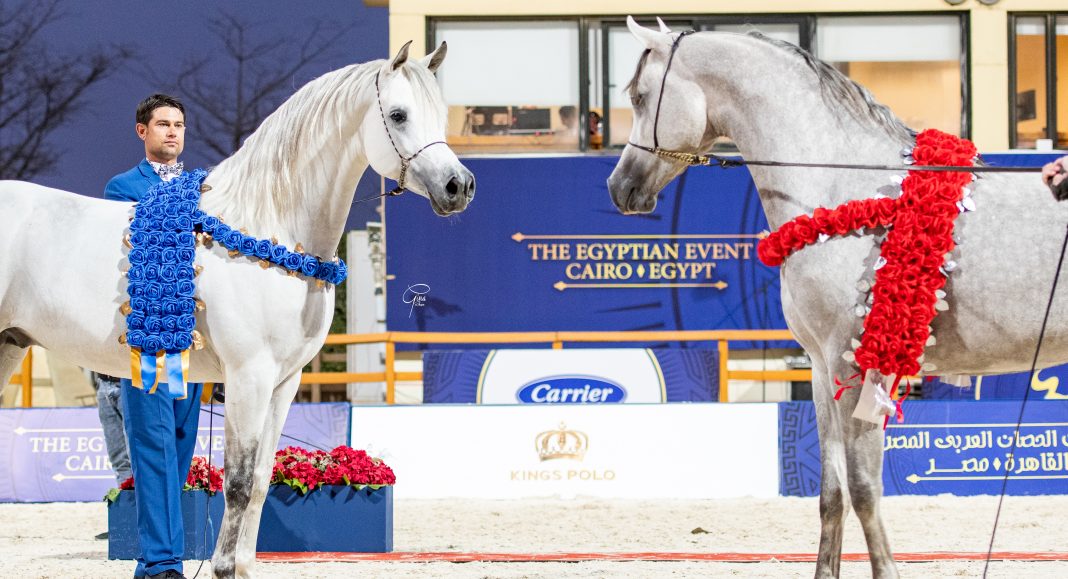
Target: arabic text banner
{"type": "Point", "coordinates": [957, 448]}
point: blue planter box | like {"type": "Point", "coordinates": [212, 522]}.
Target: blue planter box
{"type": "Point", "coordinates": [123, 542]}
{"type": "Point", "coordinates": [332, 519]}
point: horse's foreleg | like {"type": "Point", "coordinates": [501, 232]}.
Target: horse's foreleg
{"type": "Point", "coordinates": [864, 458]}
{"type": "Point", "coordinates": [833, 499]}
{"type": "Point", "coordinates": [11, 356]}
{"type": "Point", "coordinates": [281, 400]}
{"type": "Point", "coordinates": [248, 400]}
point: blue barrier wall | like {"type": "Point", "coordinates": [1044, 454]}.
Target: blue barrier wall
{"type": "Point", "coordinates": [58, 454]}
{"type": "Point", "coordinates": [944, 447]}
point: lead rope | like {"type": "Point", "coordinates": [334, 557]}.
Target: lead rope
{"type": "Point", "coordinates": [1023, 404]}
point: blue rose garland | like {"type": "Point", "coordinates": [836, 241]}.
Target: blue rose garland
{"type": "Point", "coordinates": [161, 276]}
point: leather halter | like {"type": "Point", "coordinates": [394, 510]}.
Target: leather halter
{"type": "Point", "coordinates": [688, 158]}
{"type": "Point", "coordinates": [405, 161]}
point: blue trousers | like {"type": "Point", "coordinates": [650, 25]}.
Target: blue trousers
{"type": "Point", "coordinates": [162, 434]}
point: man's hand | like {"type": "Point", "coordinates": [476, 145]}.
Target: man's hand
{"type": "Point", "coordinates": [1055, 176]}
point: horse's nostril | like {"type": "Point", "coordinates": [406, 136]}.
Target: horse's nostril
{"type": "Point", "coordinates": [470, 187]}
{"type": "Point", "coordinates": [452, 188]}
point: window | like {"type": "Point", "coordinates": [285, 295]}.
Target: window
{"type": "Point", "coordinates": [512, 85]}
{"type": "Point", "coordinates": [912, 64]}
{"type": "Point", "coordinates": [1038, 95]}
{"type": "Point", "coordinates": [556, 85]}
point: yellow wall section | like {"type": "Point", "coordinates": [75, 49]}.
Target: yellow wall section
{"type": "Point", "coordinates": [989, 33]}
{"type": "Point", "coordinates": [924, 95]}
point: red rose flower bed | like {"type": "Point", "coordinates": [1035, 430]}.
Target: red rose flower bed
{"type": "Point", "coordinates": [920, 224]}
{"type": "Point", "coordinates": [301, 469]}
{"type": "Point", "coordinates": [306, 470]}
{"type": "Point", "coordinates": [202, 477]}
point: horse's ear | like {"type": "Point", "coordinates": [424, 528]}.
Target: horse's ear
{"type": "Point", "coordinates": [649, 38]}
{"type": "Point", "coordinates": [663, 27]}
{"type": "Point", "coordinates": [402, 56]}
{"type": "Point", "coordinates": [433, 60]}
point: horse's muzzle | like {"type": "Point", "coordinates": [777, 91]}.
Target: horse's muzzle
{"type": "Point", "coordinates": [629, 197]}
{"type": "Point", "coordinates": [457, 193]}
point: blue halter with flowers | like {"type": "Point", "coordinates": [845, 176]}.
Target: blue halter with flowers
{"type": "Point", "coordinates": [160, 314]}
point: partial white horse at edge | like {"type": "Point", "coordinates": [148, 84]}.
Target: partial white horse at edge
{"type": "Point", "coordinates": [62, 259]}
{"type": "Point", "coordinates": [778, 103]}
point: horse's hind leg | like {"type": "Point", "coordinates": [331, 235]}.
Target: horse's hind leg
{"type": "Point", "coordinates": [864, 458]}
{"type": "Point", "coordinates": [833, 498]}
{"type": "Point", "coordinates": [281, 400]}
{"type": "Point", "coordinates": [248, 396]}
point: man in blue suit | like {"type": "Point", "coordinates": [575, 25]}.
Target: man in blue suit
{"type": "Point", "coordinates": [161, 431]}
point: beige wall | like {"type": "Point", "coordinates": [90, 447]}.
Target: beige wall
{"type": "Point", "coordinates": [924, 95]}
{"type": "Point", "coordinates": [989, 28]}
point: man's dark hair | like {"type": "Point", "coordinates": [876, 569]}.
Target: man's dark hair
{"type": "Point", "coordinates": [144, 110]}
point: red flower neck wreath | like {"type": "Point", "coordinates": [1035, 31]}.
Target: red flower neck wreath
{"type": "Point", "coordinates": [912, 267]}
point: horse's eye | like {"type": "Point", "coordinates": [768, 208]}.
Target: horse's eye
{"type": "Point", "coordinates": [636, 100]}
{"type": "Point", "coordinates": [398, 117]}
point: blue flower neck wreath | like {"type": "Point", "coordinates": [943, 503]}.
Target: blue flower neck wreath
{"type": "Point", "coordinates": [160, 314]}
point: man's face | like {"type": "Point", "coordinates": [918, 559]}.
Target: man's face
{"type": "Point", "coordinates": [164, 135]}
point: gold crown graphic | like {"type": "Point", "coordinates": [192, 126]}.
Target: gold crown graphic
{"type": "Point", "coordinates": [561, 443]}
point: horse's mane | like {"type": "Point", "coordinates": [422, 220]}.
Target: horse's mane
{"type": "Point", "coordinates": [835, 87]}
{"type": "Point", "coordinates": [260, 185]}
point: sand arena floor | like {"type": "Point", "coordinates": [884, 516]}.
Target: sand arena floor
{"type": "Point", "coordinates": [56, 540]}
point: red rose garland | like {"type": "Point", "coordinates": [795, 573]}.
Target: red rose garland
{"type": "Point", "coordinates": [920, 224]}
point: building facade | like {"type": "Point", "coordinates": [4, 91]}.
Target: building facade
{"type": "Point", "coordinates": [548, 76]}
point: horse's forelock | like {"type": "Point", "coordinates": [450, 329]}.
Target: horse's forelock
{"type": "Point", "coordinates": [427, 93]}
{"type": "Point", "coordinates": [632, 86]}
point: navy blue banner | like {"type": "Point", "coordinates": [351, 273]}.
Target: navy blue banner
{"type": "Point", "coordinates": [945, 447]}
{"type": "Point", "coordinates": [540, 377]}
{"type": "Point", "coordinates": [542, 247]}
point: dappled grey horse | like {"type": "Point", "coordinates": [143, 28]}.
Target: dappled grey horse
{"type": "Point", "coordinates": [777, 102]}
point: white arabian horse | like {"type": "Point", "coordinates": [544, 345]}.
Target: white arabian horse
{"type": "Point", "coordinates": [62, 258]}
{"type": "Point", "coordinates": [778, 103]}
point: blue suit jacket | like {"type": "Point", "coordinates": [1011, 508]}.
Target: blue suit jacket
{"type": "Point", "coordinates": [132, 184]}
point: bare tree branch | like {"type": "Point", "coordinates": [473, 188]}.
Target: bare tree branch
{"type": "Point", "coordinates": [40, 92]}
{"type": "Point", "coordinates": [259, 76]}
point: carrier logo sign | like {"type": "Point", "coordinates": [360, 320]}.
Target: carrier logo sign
{"type": "Point", "coordinates": [571, 390]}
